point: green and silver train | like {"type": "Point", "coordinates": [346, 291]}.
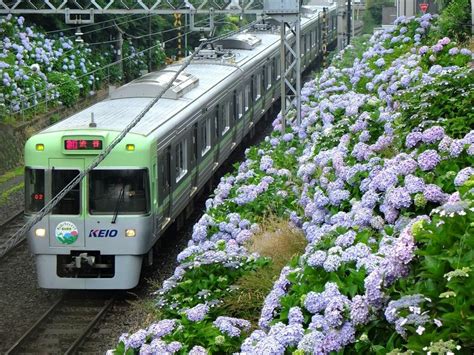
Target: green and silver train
{"type": "Point", "coordinates": [98, 234]}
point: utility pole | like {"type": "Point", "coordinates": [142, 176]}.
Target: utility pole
{"type": "Point", "coordinates": [287, 12]}
{"type": "Point", "coordinates": [348, 14]}
{"type": "Point", "coordinates": [120, 54]}
{"type": "Point", "coordinates": [341, 33]}
{"type": "Point", "coordinates": [325, 37]}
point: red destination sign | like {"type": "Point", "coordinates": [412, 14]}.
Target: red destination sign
{"type": "Point", "coordinates": [83, 144]}
{"type": "Point", "coordinates": [423, 7]}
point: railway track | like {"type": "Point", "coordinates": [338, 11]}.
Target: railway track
{"type": "Point", "coordinates": [6, 231]}
{"type": "Point", "coordinates": [63, 327]}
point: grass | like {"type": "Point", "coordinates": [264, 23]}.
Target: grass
{"type": "Point", "coordinates": [281, 243]}
{"type": "Point", "coordinates": [6, 194]}
{"type": "Point", "coordinates": [11, 174]}
{"type": "Point", "coordinates": [277, 241]}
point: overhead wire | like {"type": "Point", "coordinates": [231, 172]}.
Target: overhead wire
{"type": "Point", "coordinates": [19, 234]}
{"type": "Point", "coordinates": [86, 25]}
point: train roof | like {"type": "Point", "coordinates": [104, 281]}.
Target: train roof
{"type": "Point", "coordinates": [117, 111]}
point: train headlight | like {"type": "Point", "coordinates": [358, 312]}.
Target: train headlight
{"type": "Point", "coordinates": [40, 147]}
{"type": "Point", "coordinates": [40, 232]}
{"type": "Point", "coordinates": [130, 147]}
{"type": "Point", "coordinates": [130, 233]}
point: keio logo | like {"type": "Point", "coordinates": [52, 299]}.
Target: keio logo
{"type": "Point", "coordinates": [103, 233]}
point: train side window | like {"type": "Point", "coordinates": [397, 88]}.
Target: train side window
{"type": "Point", "coordinates": [278, 69]}
{"type": "Point", "coordinates": [181, 159]}
{"type": "Point", "coordinates": [240, 104]}
{"type": "Point", "coordinates": [70, 203]}
{"type": "Point", "coordinates": [206, 136]}
{"type": "Point", "coordinates": [164, 178]}
{"type": "Point", "coordinates": [247, 97]}
{"type": "Point", "coordinates": [269, 75]}
{"type": "Point", "coordinates": [216, 123]}
{"type": "Point", "coordinates": [226, 118]}
{"type": "Point", "coordinates": [258, 86]}
{"type": "Point", "coordinates": [34, 190]}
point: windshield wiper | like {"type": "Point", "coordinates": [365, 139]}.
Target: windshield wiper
{"type": "Point", "coordinates": [117, 206]}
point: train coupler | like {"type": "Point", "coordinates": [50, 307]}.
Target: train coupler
{"type": "Point", "coordinates": [85, 264]}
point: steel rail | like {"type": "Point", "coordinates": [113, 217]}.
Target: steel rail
{"type": "Point", "coordinates": [4, 248]}
{"type": "Point", "coordinates": [78, 339]}
{"type": "Point", "coordinates": [32, 328]}
{"type": "Point", "coordinates": [11, 219]}
{"type": "Point", "coordinates": [89, 327]}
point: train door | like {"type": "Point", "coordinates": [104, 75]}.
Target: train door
{"type": "Point", "coordinates": [164, 186]}
{"type": "Point", "coordinates": [66, 220]}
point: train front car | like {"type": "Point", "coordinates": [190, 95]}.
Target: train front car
{"type": "Point", "coordinates": [95, 237]}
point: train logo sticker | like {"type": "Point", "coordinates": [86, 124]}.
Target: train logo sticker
{"type": "Point", "coordinates": [66, 233]}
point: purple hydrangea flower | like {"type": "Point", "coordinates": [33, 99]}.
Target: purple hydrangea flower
{"type": "Point", "coordinates": [162, 328]}
{"type": "Point", "coordinates": [269, 345]}
{"type": "Point", "coordinates": [136, 340]}
{"type": "Point", "coordinates": [346, 239]}
{"type": "Point", "coordinates": [315, 302]}
{"type": "Point", "coordinates": [317, 259]}
{"type": "Point", "coordinates": [359, 310]}
{"type": "Point", "coordinates": [332, 263]}
{"type": "Point", "coordinates": [463, 175]}
{"type": "Point", "coordinates": [197, 313]}
{"type": "Point", "coordinates": [380, 62]}
{"type": "Point", "coordinates": [428, 160]}
{"type": "Point", "coordinates": [295, 316]}
{"type": "Point", "coordinates": [433, 134]}
{"type": "Point", "coordinates": [231, 326]}
{"type": "Point", "coordinates": [198, 350]}
{"type": "Point", "coordinates": [413, 139]}
{"type": "Point", "coordinates": [456, 147]}
{"type": "Point", "coordinates": [399, 197]}
{"type": "Point", "coordinates": [414, 184]}
{"type": "Point", "coordinates": [434, 193]}
{"type": "Point", "coordinates": [453, 51]}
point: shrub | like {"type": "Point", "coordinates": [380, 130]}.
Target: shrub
{"type": "Point", "coordinates": [66, 86]}
{"type": "Point", "coordinates": [455, 20]}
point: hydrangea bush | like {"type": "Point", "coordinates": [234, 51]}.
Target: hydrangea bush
{"type": "Point", "coordinates": [38, 71]}
{"type": "Point", "coordinates": [379, 175]}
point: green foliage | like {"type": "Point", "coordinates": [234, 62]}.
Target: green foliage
{"type": "Point", "coordinates": [446, 101]}
{"type": "Point", "coordinates": [455, 20]}
{"type": "Point", "coordinates": [54, 118]}
{"type": "Point", "coordinates": [355, 50]}
{"type": "Point", "coordinates": [5, 196]}
{"type": "Point", "coordinates": [11, 174]}
{"type": "Point", "coordinates": [67, 87]}
{"type": "Point", "coordinates": [443, 273]}
{"type": "Point", "coordinates": [205, 283]}
{"type": "Point", "coordinates": [373, 14]}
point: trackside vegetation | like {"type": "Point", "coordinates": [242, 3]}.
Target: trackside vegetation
{"type": "Point", "coordinates": [379, 180]}
{"type": "Point", "coordinates": [40, 71]}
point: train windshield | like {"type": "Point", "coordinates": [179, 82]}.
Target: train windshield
{"type": "Point", "coordinates": [118, 191]}
{"type": "Point", "coordinates": [34, 190]}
